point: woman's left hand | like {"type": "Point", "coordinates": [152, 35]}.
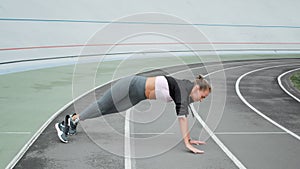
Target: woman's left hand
{"type": "Point", "coordinates": [197, 142]}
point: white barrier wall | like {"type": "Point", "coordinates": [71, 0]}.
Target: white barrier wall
{"type": "Point", "coordinates": [38, 29]}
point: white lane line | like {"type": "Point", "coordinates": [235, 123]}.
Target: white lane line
{"type": "Point", "coordinates": [15, 132]}
{"type": "Point", "coordinates": [127, 150]}
{"type": "Point", "coordinates": [250, 133]}
{"type": "Point", "coordinates": [283, 88]}
{"type": "Point", "coordinates": [237, 89]}
{"type": "Point", "coordinates": [236, 161]}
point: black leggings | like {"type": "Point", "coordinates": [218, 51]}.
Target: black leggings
{"type": "Point", "coordinates": [124, 94]}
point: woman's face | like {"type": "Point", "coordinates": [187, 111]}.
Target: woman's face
{"type": "Point", "coordinates": [199, 95]}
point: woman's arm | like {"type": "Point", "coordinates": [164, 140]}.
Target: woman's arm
{"type": "Point", "coordinates": [183, 121]}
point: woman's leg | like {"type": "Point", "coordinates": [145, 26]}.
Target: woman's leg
{"type": "Point", "coordinates": [124, 94]}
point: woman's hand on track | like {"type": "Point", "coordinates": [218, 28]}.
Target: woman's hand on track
{"type": "Point", "coordinates": [193, 149]}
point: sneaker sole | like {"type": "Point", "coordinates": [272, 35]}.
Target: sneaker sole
{"type": "Point", "coordinates": [59, 133]}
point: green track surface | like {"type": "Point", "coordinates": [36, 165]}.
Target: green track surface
{"type": "Point", "coordinates": [295, 79]}
{"type": "Point", "coordinates": [29, 99]}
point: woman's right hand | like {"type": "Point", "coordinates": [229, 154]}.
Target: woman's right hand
{"type": "Point", "coordinates": [193, 149]}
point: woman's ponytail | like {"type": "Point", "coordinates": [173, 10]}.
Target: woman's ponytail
{"type": "Point", "coordinates": [203, 84]}
{"type": "Point", "coordinates": [200, 76]}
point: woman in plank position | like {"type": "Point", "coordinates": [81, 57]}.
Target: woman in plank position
{"type": "Point", "coordinates": [129, 91]}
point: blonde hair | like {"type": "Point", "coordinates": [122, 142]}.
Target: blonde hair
{"type": "Point", "coordinates": [203, 83]}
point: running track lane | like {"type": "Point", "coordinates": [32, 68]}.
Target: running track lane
{"type": "Point", "coordinates": [49, 134]}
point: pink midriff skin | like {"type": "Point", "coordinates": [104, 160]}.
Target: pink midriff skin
{"type": "Point", "coordinates": [150, 88]}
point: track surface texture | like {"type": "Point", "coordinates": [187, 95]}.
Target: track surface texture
{"type": "Point", "coordinates": [252, 139]}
